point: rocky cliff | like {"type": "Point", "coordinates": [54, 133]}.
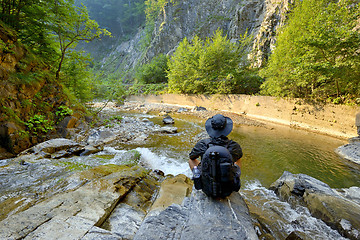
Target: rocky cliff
{"type": "Point", "coordinates": [27, 89]}
{"type": "Point", "coordinates": [179, 19]}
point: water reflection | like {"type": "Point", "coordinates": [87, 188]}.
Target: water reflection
{"type": "Point", "coordinates": [270, 152]}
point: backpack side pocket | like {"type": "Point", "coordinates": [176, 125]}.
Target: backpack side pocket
{"type": "Point", "coordinates": [237, 174]}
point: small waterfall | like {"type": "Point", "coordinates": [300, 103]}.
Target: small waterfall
{"type": "Point", "coordinates": [161, 162]}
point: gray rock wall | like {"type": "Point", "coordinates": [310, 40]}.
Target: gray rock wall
{"type": "Point", "coordinates": [181, 19]}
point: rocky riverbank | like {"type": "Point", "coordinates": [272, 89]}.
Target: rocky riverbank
{"type": "Point", "coordinates": [84, 188]}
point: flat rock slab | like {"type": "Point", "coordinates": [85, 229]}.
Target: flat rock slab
{"type": "Point", "coordinates": [71, 215]}
{"type": "Point", "coordinates": [200, 217]}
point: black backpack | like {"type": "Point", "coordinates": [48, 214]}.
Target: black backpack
{"type": "Point", "coordinates": [219, 175]}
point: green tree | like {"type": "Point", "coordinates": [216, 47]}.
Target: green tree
{"type": "Point", "coordinates": [109, 86]}
{"type": "Point", "coordinates": [154, 71]}
{"type": "Point", "coordinates": [183, 72]}
{"type": "Point", "coordinates": [30, 19]}
{"type": "Point", "coordinates": [77, 77]}
{"type": "Point", "coordinates": [316, 53]}
{"type": "Point", "coordinates": [70, 25]}
{"type": "Point", "coordinates": [215, 65]}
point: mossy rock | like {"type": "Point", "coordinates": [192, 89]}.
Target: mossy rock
{"type": "Point", "coordinates": [104, 170]}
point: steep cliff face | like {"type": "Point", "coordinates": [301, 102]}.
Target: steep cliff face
{"type": "Point", "coordinates": [179, 19]}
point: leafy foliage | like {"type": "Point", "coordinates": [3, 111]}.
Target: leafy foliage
{"type": "Point", "coordinates": [38, 124]}
{"type": "Point", "coordinates": [144, 89]}
{"type": "Point", "coordinates": [51, 29]}
{"type": "Point", "coordinates": [70, 25]}
{"type": "Point", "coordinates": [109, 86]}
{"type": "Point", "coordinates": [63, 111]}
{"type": "Point", "coordinates": [77, 77]}
{"type": "Point", "coordinates": [317, 52]}
{"type": "Point", "coordinates": [154, 71]}
{"type": "Point", "coordinates": [215, 65]}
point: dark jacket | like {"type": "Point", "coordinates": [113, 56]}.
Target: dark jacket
{"type": "Point", "coordinates": [200, 147]}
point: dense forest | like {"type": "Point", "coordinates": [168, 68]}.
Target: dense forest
{"type": "Point", "coordinates": [316, 55]}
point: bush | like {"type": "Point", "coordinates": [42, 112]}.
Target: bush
{"type": "Point", "coordinates": [154, 71]}
{"type": "Point", "coordinates": [143, 89]}
{"type": "Point", "coordinates": [38, 124]}
{"type": "Point", "coordinates": [62, 112]}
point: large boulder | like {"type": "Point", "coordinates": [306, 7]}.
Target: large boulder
{"type": "Point", "coordinates": [337, 211]}
{"type": "Point", "coordinates": [101, 137]}
{"type": "Point", "coordinates": [200, 217]}
{"type": "Point", "coordinates": [55, 148]}
{"type": "Point", "coordinates": [173, 190]}
{"type": "Point", "coordinates": [168, 120]}
{"type": "Point", "coordinates": [10, 138]}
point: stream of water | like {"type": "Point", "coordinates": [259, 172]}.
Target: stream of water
{"type": "Point", "coordinates": [268, 152]}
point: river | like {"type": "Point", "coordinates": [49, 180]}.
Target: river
{"type": "Point", "coordinates": [268, 152]}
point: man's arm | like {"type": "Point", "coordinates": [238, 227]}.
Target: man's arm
{"type": "Point", "coordinates": [238, 162]}
{"type": "Point", "coordinates": [193, 163]}
{"type": "Point", "coordinates": [236, 152]}
{"type": "Point", "coordinates": [198, 150]}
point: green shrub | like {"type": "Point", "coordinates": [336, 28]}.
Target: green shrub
{"type": "Point", "coordinates": [154, 71]}
{"type": "Point", "coordinates": [62, 112]}
{"type": "Point", "coordinates": [143, 89]}
{"type": "Point", "coordinates": [38, 124]}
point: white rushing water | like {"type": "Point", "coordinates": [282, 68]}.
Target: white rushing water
{"type": "Point", "coordinates": [164, 163]}
{"type": "Point", "coordinates": [153, 160]}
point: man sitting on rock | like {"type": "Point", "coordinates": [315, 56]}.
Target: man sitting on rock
{"type": "Point", "coordinates": [222, 169]}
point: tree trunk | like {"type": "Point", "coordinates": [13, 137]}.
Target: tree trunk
{"type": "Point", "coordinates": [57, 76]}
{"type": "Point", "coordinates": [337, 88]}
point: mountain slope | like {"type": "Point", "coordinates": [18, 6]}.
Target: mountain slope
{"type": "Point", "coordinates": [180, 19]}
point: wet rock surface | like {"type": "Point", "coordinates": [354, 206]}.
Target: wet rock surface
{"type": "Point", "coordinates": [55, 148]}
{"type": "Point", "coordinates": [74, 214]}
{"type": "Point", "coordinates": [168, 120]}
{"type": "Point", "coordinates": [60, 188]}
{"type": "Point", "coordinates": [350, 151]}
{"type": "Point", "coordinates": [339, 211]}
{"type": "Point", "coordinates": [200, 217]}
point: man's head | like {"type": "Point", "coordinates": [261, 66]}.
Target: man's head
{"type": "Point", "coordinates": [218, 125]}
